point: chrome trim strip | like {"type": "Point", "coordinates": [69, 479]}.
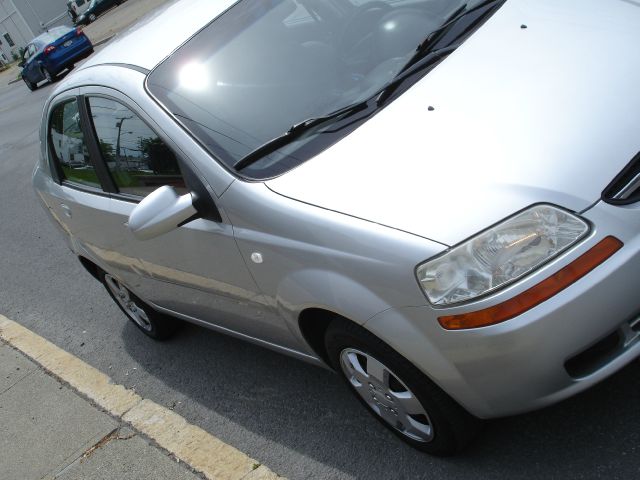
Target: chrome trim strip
{"type": "Point", "coordinates": [628, 189]}
{"type": "Point", "coordinates": [227, 331]}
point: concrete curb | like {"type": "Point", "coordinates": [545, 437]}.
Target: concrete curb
{"type": "Point", "coordinates": [200, 450]}
{"type": "Point", "coordinates": [103, 41]}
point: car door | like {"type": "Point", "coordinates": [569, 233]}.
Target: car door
{"type": "Point", "coordinates": [195, 271]}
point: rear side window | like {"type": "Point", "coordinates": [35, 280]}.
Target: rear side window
{"type": "Point", "coordinates": [69, 147]}
{"type": "Point", "coordinates": [138, 160]}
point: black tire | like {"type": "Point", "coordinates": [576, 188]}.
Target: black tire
{"type": "Point", "coordinates": [30, 85]}
{"type": "Point", "coordinates": [91, 18]}
{"type": "Point", "coordinates": [156, 325]}
{"type": "Point", "coordinates": [452, 427]}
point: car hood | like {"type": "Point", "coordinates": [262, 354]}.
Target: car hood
{"type": "Point", "coordinates": [541, 104]}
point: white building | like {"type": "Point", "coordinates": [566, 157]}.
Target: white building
{"type": "Point", "coordinates": [22, 20]}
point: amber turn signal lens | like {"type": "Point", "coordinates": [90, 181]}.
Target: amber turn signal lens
{"type": "Point", "coordinates": [536, 294]}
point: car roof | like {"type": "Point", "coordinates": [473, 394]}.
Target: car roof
{"type": "Point", "coordinates": [155, 36]}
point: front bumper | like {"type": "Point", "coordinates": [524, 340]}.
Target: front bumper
{"type": "Point", "coordinates": [537, 358]}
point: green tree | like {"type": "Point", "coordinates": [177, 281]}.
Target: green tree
{"type": "Point", "coordinates": [108, 152]}
{"type": "Point", "coordinates": [159, 158]}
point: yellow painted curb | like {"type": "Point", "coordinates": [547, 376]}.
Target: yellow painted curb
{"type": "Point", "coordinates": [189, 443]}
{"type": "Point", "coordinates": [200, 450]}
{"type": "Point", "coordinates": [92, 383]}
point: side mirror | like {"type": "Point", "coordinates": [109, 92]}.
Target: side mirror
{"type": "Point", "coordinates": [160, 212]}
{"type": "Point", "coordinates": [21, 64]}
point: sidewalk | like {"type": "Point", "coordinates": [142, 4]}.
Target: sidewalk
{"type": "Point", "coordinates": [119, 18]}
{"type": "Point", "coordinates": [50, 432]}
{"type": "Point", "coordinates": [62, 418]}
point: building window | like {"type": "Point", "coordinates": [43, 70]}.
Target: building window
{"type": "Point", "coordinates": [9, 40]}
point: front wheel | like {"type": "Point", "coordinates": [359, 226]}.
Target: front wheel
{"type": "Point", "coordinates": [397, 394]}
{"type": "Point", "coordinates": [152, 323]}
{"type": "Point", "coordinates": [92, 18]}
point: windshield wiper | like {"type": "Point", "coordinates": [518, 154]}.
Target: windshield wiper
{"type": "Point", "coordinates": [427, 61]}
{"type": "Point", "coordinates": [429, 43]}
{"type": "Point", "coordinates": [429, 53]}
{"type": "Point", "coordinates": [295, 132]}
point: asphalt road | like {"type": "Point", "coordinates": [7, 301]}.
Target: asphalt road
{"type": "Point", "coordinates": [297, 419]}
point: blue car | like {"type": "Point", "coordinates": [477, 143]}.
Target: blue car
{"type": "Point", "coordinates": [52, 52]}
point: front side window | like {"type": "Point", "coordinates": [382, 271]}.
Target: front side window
{"type": "Point", "coordinates": [68, 145]}
{"type": "Point", "coordinates": [138, 160]}
{"type": "Point", "coordinates": [27, 53]}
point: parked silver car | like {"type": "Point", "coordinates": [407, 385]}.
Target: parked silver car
{"type": "Point", "coordinates": [436, 198]}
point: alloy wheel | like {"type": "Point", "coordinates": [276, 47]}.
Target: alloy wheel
{"type": "Point", "coordinates": [128, 304]}
{"type": "Point", "coordinates": [387, 395]}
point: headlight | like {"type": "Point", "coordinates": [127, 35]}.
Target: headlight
{"type": "Point", "coordinates": [500, 255]}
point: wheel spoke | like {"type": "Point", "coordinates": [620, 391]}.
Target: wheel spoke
{"type": "Point", "coordinates": [378, 386]}
{"type": "Point", "coordinates": [416, 429]}
{"type": "Point", "coordinates": [361, 387]}
{"type": "Point", "coordinates": [408, 402]}
{"type": "Point", "coordinates": [390, 417]}
{"type": "Point", "coordinates": [356, 366]}
{"type": "Point", "coordinates": [131, 308]}
{"type": "Point", "coordinates": [124, 294]}
{"type": "Point", "coordinates": [377, 371]}
{"type": "Point", "coordinates": [352, 366]}
{"type": "Point", "coordinates": [143, 315]}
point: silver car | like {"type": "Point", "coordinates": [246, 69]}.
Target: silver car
{"type": "Point", "coordinates": [436, 198]}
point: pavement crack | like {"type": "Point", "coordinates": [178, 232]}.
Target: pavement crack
{"type": "Point", "coordinates": [27, 375]}
{"type": "Point", "coordinates": [115, 434]}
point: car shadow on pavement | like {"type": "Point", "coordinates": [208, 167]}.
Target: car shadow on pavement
{"type": "Point", "coordinates": [309, 410]}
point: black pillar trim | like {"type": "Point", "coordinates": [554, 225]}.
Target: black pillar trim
{"type": "Point", "coordinates": [95, 155]}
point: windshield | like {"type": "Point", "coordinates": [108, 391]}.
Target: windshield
{"type": "Point", "coordinates": [265, 65]}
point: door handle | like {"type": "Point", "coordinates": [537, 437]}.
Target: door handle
{"type": "Point", "coordinates": [66, 210]}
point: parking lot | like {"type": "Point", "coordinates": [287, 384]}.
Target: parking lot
{"type": "Point", "coordinates": [297, 419]}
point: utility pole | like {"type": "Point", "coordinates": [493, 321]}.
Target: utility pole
{"type": "Point", "coordinates": [119, 127]}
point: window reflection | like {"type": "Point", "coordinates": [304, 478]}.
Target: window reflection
{"type": "Point", "coordinates": [139, 161]}
{"type": "Point", "coordinates": [69, 147]}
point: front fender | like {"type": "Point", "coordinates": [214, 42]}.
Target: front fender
{"type": "Point", "coordinates": [327, 290]}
